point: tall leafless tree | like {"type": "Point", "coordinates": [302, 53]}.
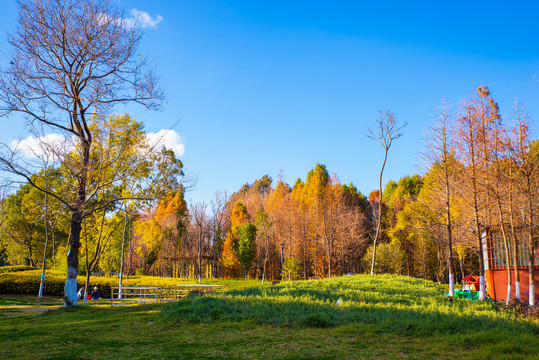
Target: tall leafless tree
{"type": "Point", "coordinates": [386, 131]}
{"type": "Point", "coordinates": [72, 58]}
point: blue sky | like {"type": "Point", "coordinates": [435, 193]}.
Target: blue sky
{"type": "Point", "coordinates": [269, 87]}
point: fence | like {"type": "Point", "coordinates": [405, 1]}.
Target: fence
{"type": "Point", "coordinates": [131, 295]}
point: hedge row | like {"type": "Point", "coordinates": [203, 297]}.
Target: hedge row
{"type": "Point", "coordinates": [27, 282]}
{"type": "Point", "coordinates": [15, 268]}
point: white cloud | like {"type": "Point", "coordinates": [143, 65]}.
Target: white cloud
{"type": "Point", "coordinates": [142, 19]}
{"type": "Point", "coordinates": [32, 147]}
{"type": "Point", "coordinates": [37, 147]}
{"type": "Point", "coordinates": [168, 138]}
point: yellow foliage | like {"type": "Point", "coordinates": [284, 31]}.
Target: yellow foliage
{"type": "Point", "coordinates": [150, 235]}
{"type": "Point", "coordinates": [239, 215]}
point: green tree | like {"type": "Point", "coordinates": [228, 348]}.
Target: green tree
{"type": "Point", "coordinates": [291, 269]}
{"type": "Point", "coordinates": [69, 59]}
{"type": "Point", "coordinates": [246, 246]}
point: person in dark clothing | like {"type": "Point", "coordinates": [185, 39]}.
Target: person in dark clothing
{"type": "Point", "coordinates": [81, 293]}
{"type": "Point", "coordinates": [95, 293]}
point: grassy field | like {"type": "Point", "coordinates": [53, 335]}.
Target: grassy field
{"type": "Point", "coordinates": [381, 317]}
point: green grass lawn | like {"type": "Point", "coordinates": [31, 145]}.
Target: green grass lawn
{"type": "Point", "coordinates": [381, 317]}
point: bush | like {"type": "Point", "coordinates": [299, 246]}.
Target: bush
{"type": "Point", "coordinates": [27, 282]}
{"type": "Point", "coordinates": [16, 268]}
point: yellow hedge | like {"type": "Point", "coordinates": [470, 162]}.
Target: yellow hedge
{"type": "Point", "coordinates": [27, 282]}
{"type": "Point", "coordinates": [15, 268]}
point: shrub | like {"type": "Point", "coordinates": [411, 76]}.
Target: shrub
{"type": "Point", "coordinates": [27, 282]}
{"type": "Point", "coordinates": [16, 268]}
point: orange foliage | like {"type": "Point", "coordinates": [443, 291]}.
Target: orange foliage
{"type": "Point", "coordinates": [239, 215]}
{"type": "Point", "coordinates": [168, 209]}
{"type": "Point", "coordinates": [229, 257]}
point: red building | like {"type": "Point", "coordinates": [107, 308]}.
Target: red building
{"type": "Point", "coordinates": [496, 265]}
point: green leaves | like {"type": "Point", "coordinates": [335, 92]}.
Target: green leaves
{"type": "Point", "coordinates": [246, 245]}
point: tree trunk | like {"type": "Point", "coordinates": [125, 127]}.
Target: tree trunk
{"type": "Point", "coordinates": [70, 288]}
{"type": "Point", "coordinates": [507, 254]}
{"type": "Point", "coordinates": [514, 235]}
{"type": "Point", "coordinates": [122, 256]}
{"type": "Point", "coordinates": [476, 218]}
{"type": "Point", "coordinates": [265, 259]}
{"type": "Point", "coordinates": [40, 295]}
{"type": "Point", "coordinates": [531, 245]}
{"type": "Point", "coordinates": [379, 222]}
{"type": "Point", "coordinates": [449, 240]}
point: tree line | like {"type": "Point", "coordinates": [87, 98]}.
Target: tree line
{"type": "Point", "coordinates": [480, 172]}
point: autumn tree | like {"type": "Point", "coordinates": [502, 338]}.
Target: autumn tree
{"type": "Point", "coordinates": [264, 227]}
{"type": "Point", "coordinates": [229, 257]}
{"type": "Point", "coordinates": [396, 199]}
{"type": "Point", "coordinates": [148, 240]}
{"type": "Point", "coordinates": [439, 158]}
{"type": "Point", "coordinates": [525, 156]}
{"type": "Point", "coordinates": [69, 59]}
{"type": "Point", "coordinates": [498, 187]}
{"type": "Point", "coordinates": [317, 193]}
{"type": "Point", "coordinates": [474, 129]}
{"type": "Point", "coordinates": [173, 218]}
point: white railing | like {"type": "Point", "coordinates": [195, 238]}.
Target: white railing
{"type": "Point", "coordinates": [131, 295]}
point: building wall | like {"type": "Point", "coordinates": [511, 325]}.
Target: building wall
{"type": "Point", "coordinates": [497, 284]}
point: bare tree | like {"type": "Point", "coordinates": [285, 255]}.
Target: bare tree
{"type": "Point", "coordinates": [387, 130]}
{"type": "Point", "coordinates": [468, 144]}
{"type": "Point", "coordinates": [71, 59]}
{"type": "Point", "coordinates": [500, 192]}
{"type": "Point", "coordinates": [438, 157]}
{"type": "Point", "coordinates": [525, 156]}
{"type": "Point", "coordinates": [219, 223]}
{"type": "Point", "coordinates": [200, 222]}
